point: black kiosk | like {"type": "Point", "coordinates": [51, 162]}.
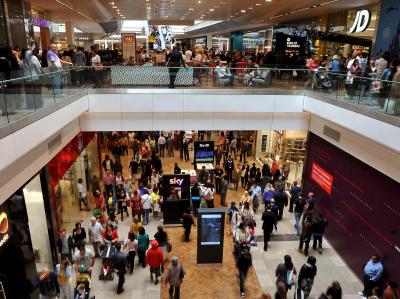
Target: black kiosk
{"type": "Point", "coordinates": [175, 197]}
{"type": "Point", "coordinates": [210, 236]}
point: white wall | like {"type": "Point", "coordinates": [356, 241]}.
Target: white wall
{"type": "Point", "coordinates": [374, 154]}
{"type": "Point", "coordinates": [37, 222]}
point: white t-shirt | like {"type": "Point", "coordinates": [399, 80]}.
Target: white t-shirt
{"type": "Point", "coordinates": [161, 140]}
{"type": "Point", "coordinates": [83, 260]}
{"type": "Point", "coordinates": [95, 60]}
{"type": "Point", "coordinates": [82, 190]}
{"type": "Point", "coordinates": [146, 201]}
{"type": "Point", "coordinates": [95, 232]}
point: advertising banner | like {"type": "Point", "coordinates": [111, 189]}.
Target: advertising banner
{"type": "Point", "coordinates": [361, 204]}
{"type": "Point", "coordinates": [204, 152]}
{"type": "Point", "coordinates": [128, 45]}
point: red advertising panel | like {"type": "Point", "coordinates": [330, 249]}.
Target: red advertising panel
{"type": "Point", "coordinates": [322, 178]}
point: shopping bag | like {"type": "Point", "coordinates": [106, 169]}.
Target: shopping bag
{"type": "Point", "coordinates": [376, 87]}
{"type": "Point", "coordinates": [349, 79]}
{"type": "Point", "coordinates": [294, 73]}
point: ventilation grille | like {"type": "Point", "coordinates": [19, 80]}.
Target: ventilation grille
{"type": "Point", "coordinates": [331, 133]}
{"type": "Point", "coordinates": [56, 141]}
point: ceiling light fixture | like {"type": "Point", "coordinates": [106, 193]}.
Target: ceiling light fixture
{"type": "Point", "coordinates": [243, 11]}
{"type": "Point", "coordinates": [211, 9]}
{"type": "Point", "coordinates": [258, 4]}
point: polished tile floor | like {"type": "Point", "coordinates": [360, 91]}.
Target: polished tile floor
{"type": "Point", "coordinates": [221, 282]}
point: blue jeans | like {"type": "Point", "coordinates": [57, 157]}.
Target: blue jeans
{"type": "Point", "coordinates": [145, 215]}
{"type": "Point", "coordinates": [297, 217]}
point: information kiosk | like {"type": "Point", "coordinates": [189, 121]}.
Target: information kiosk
{"type": "Point", "coordinates": [210, 236]}
{"type": "Point", "coordinates": [176, 197]}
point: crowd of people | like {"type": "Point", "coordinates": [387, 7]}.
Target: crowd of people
{"type": "Point", "coordinates": [267, 186]}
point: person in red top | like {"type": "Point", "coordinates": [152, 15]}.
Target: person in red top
{"type": "Point", "coordinates": [391, 291]}
{"type": "Point", "coordinates": [110, 235]}
{"type": "Point", "coordinates": [136, 205]}
{"type": "Point", "coordinates": [154, 259]}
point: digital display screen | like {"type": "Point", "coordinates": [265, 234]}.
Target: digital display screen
{"type": "Point", "coordinates": [204, 156]}
{"type": "Point", "coordinates": [211, 229]}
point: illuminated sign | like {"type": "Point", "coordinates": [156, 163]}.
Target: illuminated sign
{"type": "Point", "coordinates": [363, 17]}
{"type": "Point", "coordinates": [41, 23]}
{"type": "Point", "coordinates": [175, 181]}
{"type": "Point", "coordinates": [3, 228]}
{"type": "Point", "coordinates": [322, 178]}
{"type": "Point", "coordinates": [292, 44]}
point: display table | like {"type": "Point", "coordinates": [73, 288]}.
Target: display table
{"type": "Point", "coordinates": [173, 210]}
{"type": "Point", "coordinates": [192, 173]}
{"type": "Point", "coordinates": [209, 166]}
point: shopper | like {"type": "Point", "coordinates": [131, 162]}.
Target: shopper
{"type": "Point", "coordinates": [65, 245]}
{"type": "Point", "coordinates": [84, 257]}
{"type": "Point", "coordinates": [236, 177]}
{"type": "Point", "coordinates": [281, 200]}
{"type": "Point", "coordinates": [64, 274]}
{"type": "Point", "coordinates": [95, 235]}
{"type": "Point", "coordinates": [391, 291]}
{"type": "Point", "coordinates": [195, 196]}
{"type": "Point", "coordinates": [218, 174]}
{"type": "Point", "coordinates": [78, 235]}
{"type": "Point", "coordinates": [119, 262]}
{"type": "Point", "coordinates": [135, 225]}
{"type": "Point", "coordinates": [294, 195]}
{"type": "Point", "coordinates": [208, 194]}
{"type": "Point", "coordinates": [286, 273]}
{"type": "Point", "coordinates": [229, 168]}
{"type": "Point", "coordinates": [243, 263]}
{"type": "Point", "coordinates": [48, 285]}
{"type": "Point", "coordinates": [306, 277]}
{"type": "Point", "coordinates": [174, 62]}
{"type": "Point", "coordinates": [269, 222]}
{"type": "Point", "coordinates": [246, 213]}
{"type": "Point", "coordinates": [162, 238]}
{"type": "Point", "coordinates": [224, 190]}
{"type": "Point", "coordinates": [319, 226]}
{"type": "Point", "coordinates": [268, 193]}
{"type": "Point", "coordinates": [233, 218]}
{"type": "Point", "coordinates": [82, 195]}
{"type": "Point", "coordinates": [131, 245]}
{"type": "Point", "coordinates": [256, 194]}
{"type": "Point", "coordinates": [177, 169]}
{"type": "Point", "coordinates": [281, 290]}
{"type": "Point", "coordinates": [143, 245]}
{"type": "Point", "coordinates": [136, 205]}
{"type": "Point", "coordinates": [299, 205]}
{"type": "Point", "coordinates": [108, 181]}
{"type": "Point", "coordinates": [122, 203]}
{"type": "Point", "coordinates": [373, 271]}
{"type": "Point", "coordinates": [146, 205]}
{"type": "Point", "coordinates": [306, 234]}
{"type": "Point", "coordinates": [174, 277]}
{"type": "Point", "coordinates": [187, 224]}
{"type": "Point", "coordinates": [108, 164]}
{"type": "Point", "coordinates": [154, 258]}
{"type": "Point", "coordinates": [334, 291]}
{"type": "Point", "coordinates": [110, 235]}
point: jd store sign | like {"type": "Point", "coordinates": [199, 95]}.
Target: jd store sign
{"type": "Point", "coordinates": [361, 22]}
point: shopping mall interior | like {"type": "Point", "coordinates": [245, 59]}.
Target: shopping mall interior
{"type": "Point", "coordinates": [199, 149]}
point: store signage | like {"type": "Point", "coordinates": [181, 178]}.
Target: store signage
{"type": "Point", "coordinates": [363, 17]}
{"type": "Point", "coordinates": [4, 236]}
{"type": "Point", "coordinates": [291, 43]}
{"type": "Point", "coordinates": [176, 181]}
{"type": "Point", "coordinates": [41, 23]}
{"type": "Point", "coordinates": [128, 45]}
{"type": "Point", "coordinates": [322, 178]}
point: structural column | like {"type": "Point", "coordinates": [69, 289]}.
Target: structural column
{"type": "Point", "coordinates": [69, 32]}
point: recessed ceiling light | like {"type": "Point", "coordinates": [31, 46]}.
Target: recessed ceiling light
{"type": "Point", "coordinates": [250, 8]}
{"type": "Point", "coordinates": [243, 11]}
{"type": "Point", "coordinates": [199, 1]}
{"type": "Point", "coordinates": [111, 3]}
{"type": "Point", "coordinates": [114, 6]}
{"type": "Point", "coordinates": [258, 4]}
{"type": "Point", "coordinates": [211, 9]}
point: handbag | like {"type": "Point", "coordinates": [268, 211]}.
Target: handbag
{"type": "Point", "coordinates": [349, 79]}
{"type": "Point", "coordinates": [375, 86]}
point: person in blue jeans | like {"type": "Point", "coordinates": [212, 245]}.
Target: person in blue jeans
{"type": "Point", "coordinates": [299, 204]}
{"type": "Point", "coordinates": [146, 205]}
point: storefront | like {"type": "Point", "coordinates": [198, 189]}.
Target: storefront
{"type": "Point", "coordinates": [201, 40]}
{"type": "Point", "coordinates": [26, 246]}
{"type": "Point", "coordinates": [282, 146]}
{"type": "Point", "coordinates": [220, 43]}
{"type": "Point", "coordinates": [78, 160]}
{"type": "Point", "coordinates": [258, 41]}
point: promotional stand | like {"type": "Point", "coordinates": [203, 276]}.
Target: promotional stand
{"type": "Point", "coordinates": [210, 236]}
{"type": "Point", "coordinates": [176, 197]}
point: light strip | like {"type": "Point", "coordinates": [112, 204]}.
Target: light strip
{"type": "Point", "coordinates": [73, 9]}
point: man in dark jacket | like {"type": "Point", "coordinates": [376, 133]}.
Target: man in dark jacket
{"type": "Point", "coordinates": [318, 231]}
{"type": "Point", "coordinates": [65, 245]}
{"type": "Point", "coordinates": [281, 200]}
{"type": "Point", "coordinates": [174, 61]}
{"type": "Point", "coordinates": [243, 264]}
{"type": "Point", "coordinates": [269, 222]}
{"type": "Point", "coordinates": [177, 169]}
{"type": "Point", "coordinates": [218, 172]}
{"type": "Point", "coordinates": [119, 263]}
{"type": "Point", "coordinates": [294, 194]}
{"type": "Point", "coordinates": [306, 234]}
{"type": "Point", "coordinates": [187, 224]}
{"type": "Point", "coordinates": [108, 164]}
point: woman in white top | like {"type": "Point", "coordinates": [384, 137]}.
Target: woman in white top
{"type": "Point", "coordinates": [97, 67]}
{"type": "Point", "coordinates": [131, 244]}
{"type": "Point", "coordinates": [246, 212]}
{"type": "Point", "coordinates": [146, 205]}
{"type": "Point", "coordinates": [242, 235]}
{"type": "Point", "coordinates": [197, 63]}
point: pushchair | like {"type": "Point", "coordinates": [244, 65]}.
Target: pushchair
{"type": "Point", "coordinates": [106, 264]}
{"type": "Point", "coordinates": [83, 284]}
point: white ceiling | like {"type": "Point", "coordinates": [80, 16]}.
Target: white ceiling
{"type": "Point", "coordinates": [234, 13]}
